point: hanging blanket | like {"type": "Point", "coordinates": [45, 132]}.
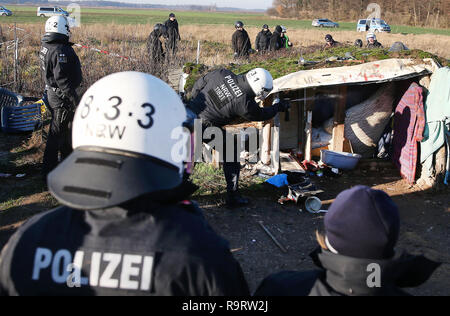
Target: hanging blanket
{"type": "Point", "coordinates": [409, 123]}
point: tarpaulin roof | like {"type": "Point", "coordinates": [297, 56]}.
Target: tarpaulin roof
{"type": "Point", "coordinates": [372, 72]}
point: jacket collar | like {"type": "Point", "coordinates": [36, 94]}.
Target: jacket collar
{"type": "Point", "coordinates": [56, 38]}
{"type": "Point", "coordinates": [349, 276]}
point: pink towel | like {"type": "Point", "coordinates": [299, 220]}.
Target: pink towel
{"type": "Point", "coordinates": [409, 124]}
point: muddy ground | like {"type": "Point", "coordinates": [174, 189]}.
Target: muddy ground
{"type": "Point", "coordinates": [425, 215]}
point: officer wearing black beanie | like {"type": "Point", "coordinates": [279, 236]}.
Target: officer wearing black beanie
{"type": "Point", "coordinates": [276, 40]}
{"type": "Point", "coordinates": [357, 255]}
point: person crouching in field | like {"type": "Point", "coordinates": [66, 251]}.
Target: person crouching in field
{"type": "Point", "coordinates": [155, 49]}
{"type": "Point", "coordinates": [126, 225]}
{"type": "Point", "coordinates": [330, 42]}
{"type": "Point", "coordinates": [357, 255]}
{"type": "Point", "coordinates": [372, 41]}
{"type": "Point", "coordinates": [286, 42]}
{"type": "Point", "coordinates": [276, 41]}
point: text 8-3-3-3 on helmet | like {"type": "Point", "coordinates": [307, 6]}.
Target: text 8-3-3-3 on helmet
{"type": "Point", "coordinates": [128, 141]}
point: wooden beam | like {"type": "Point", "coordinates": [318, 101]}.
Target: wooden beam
{"type": "Point", "coordinates": [267, 136]}
{"type": "Point", "coordinates": [309, 106]}
{"type": "Point", "coordinates": [337, 143]}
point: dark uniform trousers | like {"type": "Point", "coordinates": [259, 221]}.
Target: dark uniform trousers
{"type": "Point", "coordinates": [59, 141]}
{"type": "Point", "coordinates": [231, 166]}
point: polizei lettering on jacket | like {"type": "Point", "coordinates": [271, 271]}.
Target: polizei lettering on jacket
{"type": "Point", "coordinates": [234, 87]}
{"type": "Point", "coordinates": [105, 270]}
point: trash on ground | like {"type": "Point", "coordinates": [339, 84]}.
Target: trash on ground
{"type": "Point", "coordinates": [5, 175]}
{"type": "Point", "coordinates": [313, 205]}
{"type": "Point", "coordinates": [283, 249]}
{"type": "Point", "coordinates": [341, 160]}
{"type": "Point", "coordinates": [299, 191]}
{"type": "Point", "coordinates": [279, 181]}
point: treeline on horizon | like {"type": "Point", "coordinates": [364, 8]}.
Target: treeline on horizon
{"type": "Point", "coordinates": [420, 13]}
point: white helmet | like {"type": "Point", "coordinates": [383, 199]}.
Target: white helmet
{"type": "Point", "coordinates": [128, 141]}
{"type": "Point", "coordinates": [57, 24]}
{"type": "Point", "coordinates": [261, 82]}
{"type": "Point", "coordinates": [371, 35]}
{"type": "Point", "coordinates": [283, 29]}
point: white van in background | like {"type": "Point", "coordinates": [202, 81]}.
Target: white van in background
{"type": "Point", "coordinates": [46, 12]}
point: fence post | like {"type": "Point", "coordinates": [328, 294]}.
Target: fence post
{"type": "Point", "coordinates": [16, 59]}
{"type": "Point", "coordinates": [198, 52]}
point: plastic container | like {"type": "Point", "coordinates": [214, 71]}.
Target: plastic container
{"type": "Point", "coordinates": [340, 160]}
{"type": "Point", "coordinates": [313, 204]}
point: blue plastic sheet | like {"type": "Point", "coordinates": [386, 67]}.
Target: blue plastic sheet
{"type": "Point", "coordinates": [279, 180]}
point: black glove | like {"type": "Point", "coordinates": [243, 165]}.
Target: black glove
{"type": "Point", "coordinates": [283, 105]}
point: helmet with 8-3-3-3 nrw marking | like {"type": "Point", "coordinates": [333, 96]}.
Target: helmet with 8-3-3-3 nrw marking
{"type": "Point", "coordinates": [128, 141]}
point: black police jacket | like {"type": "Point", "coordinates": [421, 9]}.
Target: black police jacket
{"type": "Point", "coordinates": [221, 98]}
{"type": "Point", "coordinates": [155, 47]}
{"type": "Point", "coordinates": [345, 276]}
{"type": "Point", "coordinates": [173, 31]}
{"type": "Point", "coordinates": [150, 246]}
{"type": "Point", "coordinates": [60, 66]}
{"type": "Point", "coordinates": [276, 41]}
{"type": "Point", "coordinates": [263, 40]}
{"type": "Point", "coordinates": [241, 43]}
{"type": "Point", "coordinates": [375, 44]}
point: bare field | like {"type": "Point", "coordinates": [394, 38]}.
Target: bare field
{"type": "Point", "coordinates": [130, 41]}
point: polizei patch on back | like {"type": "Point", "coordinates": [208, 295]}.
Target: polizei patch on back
{"type": "Point", "coordinates": [234, 87]}
{"type": "Point", "coordinates": [94, 269]}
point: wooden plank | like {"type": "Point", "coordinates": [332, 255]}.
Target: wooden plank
{"type": "Point", "coordinates": [309, 106]}
{"type": "Point", "coordinates": [266, 136]}
{"type": "Point", "coordinates": [337, 142]}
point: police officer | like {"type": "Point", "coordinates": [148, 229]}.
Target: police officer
{"type": "Point", "coordinates": [154, 45]}
{"type": "Point", "coordinates": [285, 39]}
{"type": "Point", "coordinates": [358, 43]}
{"type": "Point", "coordinates": [221, 98]}
{"type": "Point", "coordinates": [126, 226]}
{"type": "Point", "coordinates": [61, 70]}
{"type": "Point", "coordinates": [372, 41]}
{"type": "Point", "coordinates": [241, 41]}
{"type": "Point", "coordinates": [173, 33]}
{"type": "Point", "coordinates": [276, 41]}
{"type": "Point", "coordinates": [263, 39]}
{"type": "Point", "coordinates": [330, 42]}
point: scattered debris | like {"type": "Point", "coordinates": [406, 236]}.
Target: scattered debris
{"type": "Point", "coordinates": [5, 175]}
{"type": "Point", "coordinates": [283, 249]}
{"type": "Point", "coordinates": [313, 205]}
{"type": "Point", "coordinates": [299, 191]}
{"type": "Point", "coordinates": [279, 181]}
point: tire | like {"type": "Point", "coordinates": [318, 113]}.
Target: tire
{"type": "Point", "coordinates": [4, 14]}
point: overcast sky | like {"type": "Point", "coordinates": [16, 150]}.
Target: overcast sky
{"type": "Point", "coordinates": [245, 4]}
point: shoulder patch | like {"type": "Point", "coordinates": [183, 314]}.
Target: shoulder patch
{"type": "Point", "coordinates": [44, 50]}
{"type": "Point", "coordinates": [62, 58]}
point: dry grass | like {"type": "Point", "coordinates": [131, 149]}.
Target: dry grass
{"type": "Point", "coordinates": [130, 40]}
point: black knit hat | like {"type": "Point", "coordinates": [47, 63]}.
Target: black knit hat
{"type": "Point", "coordinates": [172, 15]}
{"type": "Point", "coordinates": [363, 223]}
{"type": "Point", "coordinates": [278, 29]}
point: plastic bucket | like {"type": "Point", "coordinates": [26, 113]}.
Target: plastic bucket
{"type": "Point", "coordinates": [340, 160]}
